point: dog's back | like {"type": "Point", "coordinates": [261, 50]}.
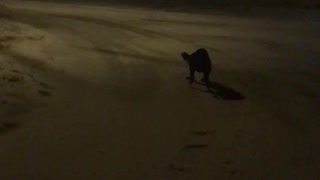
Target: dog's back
{"type": "Point", "coordinates": [201, 61]}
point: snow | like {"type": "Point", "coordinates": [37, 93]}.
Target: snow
{"type": "Point", "coordinates": [100, 93]}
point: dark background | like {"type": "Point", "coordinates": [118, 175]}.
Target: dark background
{"type": "Point", "coordinates": [205, 3]}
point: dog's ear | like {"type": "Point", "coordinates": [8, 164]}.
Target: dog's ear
{"type": "Point", "coordinates": [185, 56]}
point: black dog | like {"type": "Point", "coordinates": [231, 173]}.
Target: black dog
{"type": "Point", "coordinates": [198, 61]}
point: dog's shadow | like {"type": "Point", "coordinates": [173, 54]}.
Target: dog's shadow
{"type": "Point", "coordinates": [223, 92]}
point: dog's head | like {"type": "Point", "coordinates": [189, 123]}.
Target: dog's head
{"type": "Point", "coordinates": [186, 56]}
